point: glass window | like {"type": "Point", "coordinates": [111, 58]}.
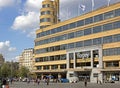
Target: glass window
{"type": "Point", "coordinates": [71, 56]}
{"type": "Point", "coordinates": [63, 66]}
{"type": "Point", "coordinates": [79, 44]}
{"type": "Point", "coordinates": [71, 35]}
{"type": "Point", "coordinates": [79, 33]}
{"type": "Point", "coordinates": [80, 23]}
{"type": "Point", "coordinates": [98, 18]}
{"type": "Point", "coordinates": [97, 41]}
{"type": "Point", "coordinates": [87, 42]}
{"type": "Point", "coordinates": [54, 67]}
{"type": "Point", "coordinates": [63, 47]}
{"type": "Point", "coordinates": [117, 12]}
{"type": "Point", "coordinates": [46, 67]}
{"type": "Point", "coordinates": [63, 57]}
{"type": "Point", "coordinates": [72, 25]}
{"type": "Point", "coordinates": [48, 32]}
{"type": "Point", "coordinates": [65, 27]}
{"type": "Point", "coordinates": [46, 5]}
{"type": "Point", "coordinates": [107, 27]}
{"type": "Point", "coordinates": [71, 45]}
{"type": "Point", "coordinates": [112, 64]}
{"type": "Point", "coordinates": [57, 48]}
{"type": "Point", "coordinates": [87, 31]}
{"type": "Point", "coordinates": [97, 29]}
{"type": "Point", "coordinates": [64, 37]}
{"type": "Point", "coordinates": [116, 24]}
{"type": "Point", "coordinates": [89, 20]}
{"type": "Point", "coordinates": [107, 39]}
{"type": "Point", "coordinates": [109, 15]}
{"type": "Point", "coordinates": [59, 29]}
{"type": "Point", "coordinates": [116, 38]}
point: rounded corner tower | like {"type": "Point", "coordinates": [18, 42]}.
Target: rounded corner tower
{"type": "Point", "coordinates": [49, 13]}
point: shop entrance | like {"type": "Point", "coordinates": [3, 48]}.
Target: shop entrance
{"type": "Point", "coordinates": [83, 75]}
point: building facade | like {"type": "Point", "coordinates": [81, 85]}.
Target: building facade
{"type": "Point", "coordinates": [84, 46]}
{"type": "Point", "coordinates": [26, 59]}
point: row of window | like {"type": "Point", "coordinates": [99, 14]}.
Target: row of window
{"type": "Point", "coordinates": [97, 29]}
{"type": "Point", "coordinates": [45, 12]}
{"type": "Point", "coordinates": [111, 51]}
{"type": "Point", "coordinates": [86, 21]}
{"type": "Point", "coordinates": [51, 58]}
{"type": "Point", "coordinates": [45, 20]}
{"type": "Point", "coordinates": [47, 67]}
{"type": "Point", "coordinates": [45, 5]}
{"type": "Point", "coordinates": [79, 55]}
{"type": "Point", "coordinates": [96, 41]}
{"type": "Point", "coordinates": [112, 64]}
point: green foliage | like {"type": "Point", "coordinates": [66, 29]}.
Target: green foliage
{"type": "Point", "coordinates": [23, 72]}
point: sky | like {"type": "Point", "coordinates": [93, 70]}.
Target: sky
{"type": "Point", "coordinates": [19, 19]}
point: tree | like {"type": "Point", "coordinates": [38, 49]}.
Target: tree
{"type": "Point", "coordinates": [5, 70]}
{"type": "Point", "coordinates": [23, 72]}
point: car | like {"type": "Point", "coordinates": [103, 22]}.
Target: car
{"type": "Point", "coordinates": [64, 80]}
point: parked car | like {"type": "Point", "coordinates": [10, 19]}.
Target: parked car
{"type": "Point", "coordinates": [64, 80]}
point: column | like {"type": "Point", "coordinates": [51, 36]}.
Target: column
{"type": "Point", "coordinates": [91, 58]}
{"type": "Point", "coordinates": [74, 59]}
{"type": "Point", "coordinates": [68, 61]}
{"type": "Point", "coordinates": [100, 59]}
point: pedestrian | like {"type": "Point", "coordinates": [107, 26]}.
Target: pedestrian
{"type": "Point", "coordinates": [47, 81]}
{"type": "Point", "coordinates": [4, 82]}
{"type": "Point", "coordinates": [38, 81]}
{"type": "Point", "coordinates": [85, 82]}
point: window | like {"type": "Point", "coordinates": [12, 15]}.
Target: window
{"type": "Point", "coordinates": [87, 42]}
{"type": "Point", "coordinates": [97, 41]}
{"type": "Point", "coordinates": [71, 45]}
{"type": "Point", "coordinates": [54, 67]}
{"type": "Point", "coordinates": [63, 57]}
{"type": "Point", "coordinates": [63, 47]}
{"type": "Point", "coordinates": [80, 23]}
{"type": "Point", "coordinates": [45, 67]}
{"type": "Point", "coordinates": [107, 27]}
{"type": "Point", "coordinates": [116, 24]}
{"type": "Point", "coordinates": [64, 37]}
{"type": "Point", "coordinates": [71, 56]}
{"type": "Point", "coordinates": [87, 31]}
{"type": "Point", "coordinates": [112, 64]}
{"type": "Point", "coordinates": [65, 27]}
{"type": "Point", "coordinates": [107, 39]}
{"type": "Point", "coordinates": [117, 12]}
{"type": "Point", "coordinates": [45, 5]}
{"type": "Point", "coordinates": [79, 33]}
{"type": "Point", "coordinates": [109, 15]}
{"type": "Point", "coordinates": [79, 44]}
{"type": "Point", "coordinates": [72, 25]}
{"type": "Point", "coordinates": [71, 35]}
{"type": "Point", "coordinates": [98, 18]}
{"type": "Point", "coordinates": [63, 66]}
{"type": "Point", "coordinates": [45, 20]}
{"type": "Point", "coordinates": [116, 38]}
{"type": "Point", "coordinates": [97, 29]}
{"type": "Point", "coordinates": [39, 67]}
{"type": "Point", "coordinates": [88, 20]}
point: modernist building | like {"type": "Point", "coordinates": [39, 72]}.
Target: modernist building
{"type": "Point", "coordinates": [26, 59]}
{"type": "Point", "coordinates": [84, 46]}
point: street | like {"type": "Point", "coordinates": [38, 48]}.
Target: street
{"type": "Point", "coordinates": [64, 85]}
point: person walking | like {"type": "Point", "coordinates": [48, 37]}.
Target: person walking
{"type": "Point", "coordinates": [47, 81]}
{"type": "Point", "coordinates": [85, 82]}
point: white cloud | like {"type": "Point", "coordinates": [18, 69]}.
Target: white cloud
{"type": "Point", "coordinates": [7, 3]}
{"type": "Point", "coordinates": [33, 5]}
{"type": "Point", "coordinates": [26, 22]}
{"type": "Point", "coordinates": [6, 49]}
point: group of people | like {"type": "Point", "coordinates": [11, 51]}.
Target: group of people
{"type": "Point", "coordinates": [4, 83]}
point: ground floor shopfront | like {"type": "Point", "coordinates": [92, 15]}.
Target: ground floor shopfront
{"type": "Point", "coordinates": [81, 63]}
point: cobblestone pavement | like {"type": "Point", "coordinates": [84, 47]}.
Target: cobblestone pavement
{"type": "Point", "coordinates": [64, 85]}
